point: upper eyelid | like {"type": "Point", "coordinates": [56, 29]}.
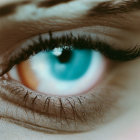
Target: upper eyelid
{"type": "Point", "coordinates": [115, 53]}
{"type": "Point", "coordinates": [135, 51]}
{"type": "Point", "coordinates": [29, 28]}
{"type": "Point", "coordinates": [101, 46]}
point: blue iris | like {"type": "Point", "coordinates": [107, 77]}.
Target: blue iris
{"type": "Point", "coordinates": [69, 64]}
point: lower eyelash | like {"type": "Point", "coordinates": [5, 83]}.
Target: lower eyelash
{"type": "Point", "coordinates": [44, 107]}
{"type": "Point", "coordinates": [75, 113]}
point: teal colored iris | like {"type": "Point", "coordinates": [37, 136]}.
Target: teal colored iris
{"type": "Point", "coordinates": [69, 64]}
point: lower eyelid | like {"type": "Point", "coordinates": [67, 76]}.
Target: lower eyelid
{"type": "Point", "coordinates": [75, 113]}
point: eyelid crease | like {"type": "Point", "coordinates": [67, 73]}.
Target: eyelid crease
{"type": "Point", "coordinates": [71, 42]}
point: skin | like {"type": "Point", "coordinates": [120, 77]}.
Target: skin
{"type": "Point", "coordinates": [122, 121]}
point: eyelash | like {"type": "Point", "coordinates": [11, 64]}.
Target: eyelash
{"type": "Point", "coordinates": [71, 42]}
{"type": "Point", "coordinates": [74, 110]}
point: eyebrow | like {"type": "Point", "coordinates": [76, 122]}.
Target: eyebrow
{"type": "Point", "coordinates": [52, 3]}
{"type": "Point", "coordinates": [103, 8]}
{"type": "Point", "coordinates": [11, 8]}
{"type": "Point", "coordinates": [110, 7]}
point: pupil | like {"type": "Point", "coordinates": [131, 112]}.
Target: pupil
{"type": "Point", "coordinates": [65, 56]}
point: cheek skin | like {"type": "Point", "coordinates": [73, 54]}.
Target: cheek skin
{"type": "Point", "coordinates": [132, 133]}
{"type": "Point", "coordinates": [129, 122]}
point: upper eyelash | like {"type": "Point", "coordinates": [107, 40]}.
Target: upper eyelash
{"type": "Point", "coordinates": [79, 42]}
{"type": "Point", "coordinates": [72, 42]}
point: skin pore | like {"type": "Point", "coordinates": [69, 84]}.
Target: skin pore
{"type": "Point", "coordinates": [28, 19]}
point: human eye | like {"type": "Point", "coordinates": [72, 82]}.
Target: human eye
{"type": "Point", "coordinates": [55, 75]}
{"type": "Point", "coordinates": [60, 78]}
{"type": "Point", "coordinates": [61, 65]}
{"type": "Point", "coordinates": [64, 64]}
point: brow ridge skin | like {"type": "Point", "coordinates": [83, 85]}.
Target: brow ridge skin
{"type": "Point", "coordinates": [103, 8]}
{"type": "Point", "coordinates": [109, 7]}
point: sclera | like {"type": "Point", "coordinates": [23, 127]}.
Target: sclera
{"type": "Point", "coordinates": [36, 75]}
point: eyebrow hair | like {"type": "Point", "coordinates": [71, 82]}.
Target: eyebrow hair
{"type": "Point", "coordinates": [103, 8]}
{"type": "Point", "coordinates": [10, 8]}
{"type": "Point", "coordinates": [52, 3]}
{"type": "Point", "coordinates": [107, 8]}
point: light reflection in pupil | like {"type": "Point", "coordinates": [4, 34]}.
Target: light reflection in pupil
{"type": "Point", "coordinates": [65, 56]}
{"type": "Point", "coordinates": [69, 64]}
